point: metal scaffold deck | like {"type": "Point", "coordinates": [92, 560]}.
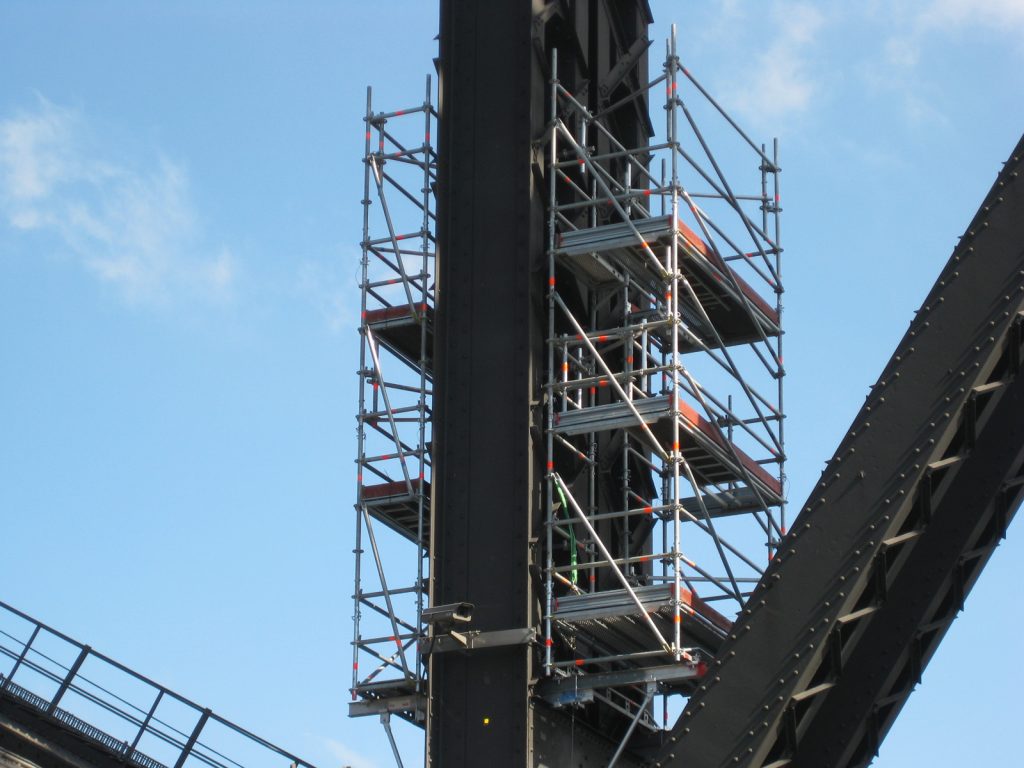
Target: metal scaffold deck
{"type": "Point", "coordinates": [664, 438]}
{"type": "Point", "coordinates": [392, 510]}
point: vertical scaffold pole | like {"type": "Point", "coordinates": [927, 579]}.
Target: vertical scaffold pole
{"type": "Point", "coordinates": [671, 66]}
{"type": "Point", "coordinates": [421, 509]}
{"type": "Point", "coordinates": [549, 500]}
{"type": "Point", "coordinates": [360, 430]}
{"type": "Point", "coordinates": [777, 211]}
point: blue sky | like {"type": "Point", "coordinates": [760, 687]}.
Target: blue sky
{"type": "Point", "coordinates": [179, 227]}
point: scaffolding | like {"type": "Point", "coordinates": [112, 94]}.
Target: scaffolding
{"type": "Point", "coordinates": [664, 425]}
{"type": "Point", "coordinates": [392, 507]}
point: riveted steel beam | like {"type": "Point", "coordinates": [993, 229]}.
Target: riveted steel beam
{"type": "Point", "coordinates": [894, 534]}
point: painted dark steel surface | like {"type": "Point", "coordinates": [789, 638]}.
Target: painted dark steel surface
{"type": "Point", "coordinates": [904, 517]}
{"type": "Point", "coordinates": [489, 355]}
{"type": "Point", "coordinates": [487, 348]}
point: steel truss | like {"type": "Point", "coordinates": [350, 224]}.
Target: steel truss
{"type": "Point", "coordinates": [904, 518]}
{"type": "Point", "coordinates": [393, 436]}
{"type": "Point", "coordinates": [664, 423]}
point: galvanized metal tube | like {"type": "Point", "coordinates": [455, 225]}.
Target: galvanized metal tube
{"type": "Point", "coordinates": [611, 377]}
{"type": "Point", "coordinates": [422, 512]}
{"type": "Point", "coordinates": [550, 408]}
{"type": "Point", "coordinates": [632, 727]}
{"type": "Point", "coordinates": [360, 429]}
{"type": "Point", "coordinates": [676, 457]}
{"type": "Point", "coordinates": [372, 346]}
{"type": "Point", "coordinates": [384, 584]}
{"type": "Point", "coordinates": [611, 563]}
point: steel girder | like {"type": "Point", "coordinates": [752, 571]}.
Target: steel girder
{"type": "Point", "coordinates": [894, 535]}
{"type": "Point", "coordinates": [490, 230]}
{"type": "Point", "coordinates": [489, 348]}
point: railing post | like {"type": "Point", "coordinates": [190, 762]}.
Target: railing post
{"type": "Point", "coordinates": [145, 724]}
{"type": "Point", "coordinates": [187, 749]}
{"type": "Point", "coordinates": [21, 658]}
{"type": "Point", "coordinates": [67, 680]}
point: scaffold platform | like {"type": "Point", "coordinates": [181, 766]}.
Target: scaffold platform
{"type": "Point", "coordinates": [734, 310]}
{"type": "Point", "coordinates": [612, 619]}
{"type": "Point", "coordinates": [397, 505]}
{"type": "Point", "coordinates": [398, 329]}
{"type": "Point", "coordinates": [714, 459]}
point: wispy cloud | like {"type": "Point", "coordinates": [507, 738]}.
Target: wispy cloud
{"type": "Point", "coordinates": [332, 290]}
{"type": "Point", "coordinates": [132, 226]}
{"type": "Point", "coordinates": [348, 757]}
{"type": "Point", "coordinates": [914, 32]}
{"type": "Point", "coordinates": [782, 78]}
{"type": "Point", "coordinates": [807, 56]}
{"type": "Point", "coordinates": [913, 24]}
{"type": "Point", "coordinates": [1006, 15]}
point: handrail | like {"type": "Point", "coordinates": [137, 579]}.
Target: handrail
{"type": "Point", "coordinates": [145, 717]}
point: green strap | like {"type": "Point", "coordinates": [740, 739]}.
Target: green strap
{"type": "Point", "coordinates": [572, 536]}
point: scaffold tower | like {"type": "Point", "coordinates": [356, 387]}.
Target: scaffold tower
{"type": "Point", "coordinates": [662, 397]}
{"type": "Point", "coordinates": [664, 425]}
{"type": "Point", "coordinates": [392, 510]}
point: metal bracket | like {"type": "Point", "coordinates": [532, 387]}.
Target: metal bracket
{"type": "Point", "coordinates": [569, 689]}
{"type": "Point", "coordinates": [476, 640]}
{"type": "Point", "coordinates": [413, 702]}
{"type": "Point", "coordinates": [623, 67]}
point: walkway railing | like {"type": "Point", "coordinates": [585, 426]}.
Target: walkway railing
{"type": "Point", "coordinates": [138, 721]}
